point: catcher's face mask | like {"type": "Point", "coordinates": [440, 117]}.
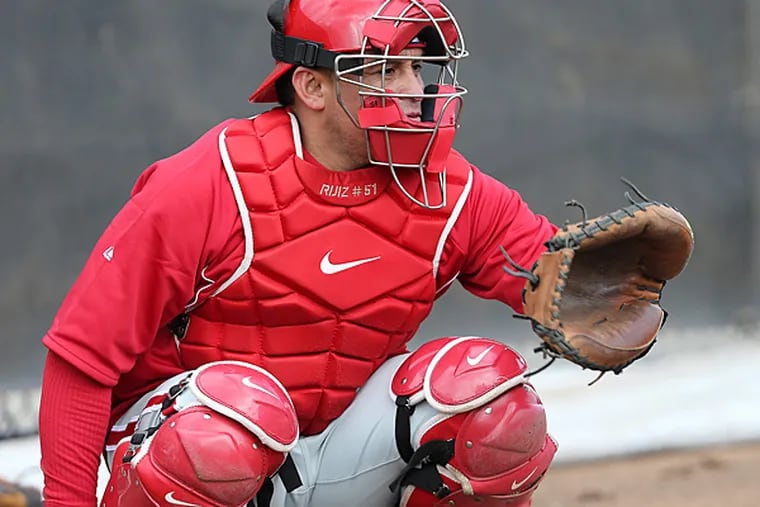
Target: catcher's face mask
{"type": "Point", "coordinates": [360, 38]}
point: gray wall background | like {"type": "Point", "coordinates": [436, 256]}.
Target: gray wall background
{"type": "Point", "coordinates": [566, 97]}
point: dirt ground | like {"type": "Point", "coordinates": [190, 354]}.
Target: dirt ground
{"type": "Point", "coordinates": [711, 477]}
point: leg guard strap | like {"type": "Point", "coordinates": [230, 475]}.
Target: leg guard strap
{"type": "Point", "coordinates": [421, 470]}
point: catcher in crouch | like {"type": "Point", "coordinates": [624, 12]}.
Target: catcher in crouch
{"type": "Point", "coordinates": [239, 334]}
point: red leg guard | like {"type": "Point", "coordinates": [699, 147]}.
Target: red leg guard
{"type": "Point", "coordinates": [501, 453]}
{"type": "Point", "coordinates": [489, 415]}
{"type": "Point", "coordinates": [197, 457]}
{"type": "Point", "coordinates": [229, 426]}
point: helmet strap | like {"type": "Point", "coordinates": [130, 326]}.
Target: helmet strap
{"type": "Point", "coordinates": [307, 53]}
{"type": "Point", "coordinates": [300, 51]}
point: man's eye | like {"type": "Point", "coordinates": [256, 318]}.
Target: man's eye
{"type": "Point", "coordinates": [390, 71]}
{"type": "Point", "coordinates": [417, 67]}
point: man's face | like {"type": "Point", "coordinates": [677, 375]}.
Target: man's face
{"type": "Point", "coordinates": [401, 76]}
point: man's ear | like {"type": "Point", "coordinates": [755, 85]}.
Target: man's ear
{"type": "Point", "coordinates": [311, 87]}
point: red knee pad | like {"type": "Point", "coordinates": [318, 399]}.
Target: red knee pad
{"type": "Point", "coordinates": [201, 457]}
{"type": "Point", "coordinates": [497, 423]}
{"type": "Point", "coordinates": [229, 426]}
{"type": "Point", "coordinates": [501, 452]}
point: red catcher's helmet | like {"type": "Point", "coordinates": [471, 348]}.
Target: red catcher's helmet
{"type": "Point", "coordinates": [349, 36]}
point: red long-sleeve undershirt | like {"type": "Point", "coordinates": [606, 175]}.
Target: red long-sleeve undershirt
{"type": "Point", "coordinates": [74, 414]}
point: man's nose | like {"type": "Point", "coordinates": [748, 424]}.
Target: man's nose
{"type": "Point", "coordinates": [411, 84]}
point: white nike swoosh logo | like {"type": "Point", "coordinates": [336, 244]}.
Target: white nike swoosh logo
{"type": "Point", "coordinates": [247, 382]}
{"type": "Point", "coordinates": [516, 485]}
{"type": "Point", "coordinates": [170, 498]}
{"type": "Point", "coordinates": [473, 361]}
{"type": "Point", "coordinates": [329, 268]}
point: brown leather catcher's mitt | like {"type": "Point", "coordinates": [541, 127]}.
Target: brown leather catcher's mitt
{"type": "Point", "coordinates": [594, 296]}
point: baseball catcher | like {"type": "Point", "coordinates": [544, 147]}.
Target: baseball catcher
{"type": "Point", "coordinates": [240, 334]}
{"type": "Point", "coordinates": [594, 296]}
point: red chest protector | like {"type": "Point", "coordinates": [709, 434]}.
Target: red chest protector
{"type": "Point", "coordinates": [338, 274]}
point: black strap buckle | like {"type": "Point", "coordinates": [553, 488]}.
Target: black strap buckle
{"type": "Point", "coordinates": [178, 325]}
{"type": "Point", "coordinates": [422, 471]}
{"type": "Point", "coordinates": [306, 53]}
{"type": "Point", "coordinates": [147, 424]}
{"type": "Point", "coordinates": [301, 52]}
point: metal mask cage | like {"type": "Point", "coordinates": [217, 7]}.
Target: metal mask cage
{"type": "Point", "coordinates": [351, 69]}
